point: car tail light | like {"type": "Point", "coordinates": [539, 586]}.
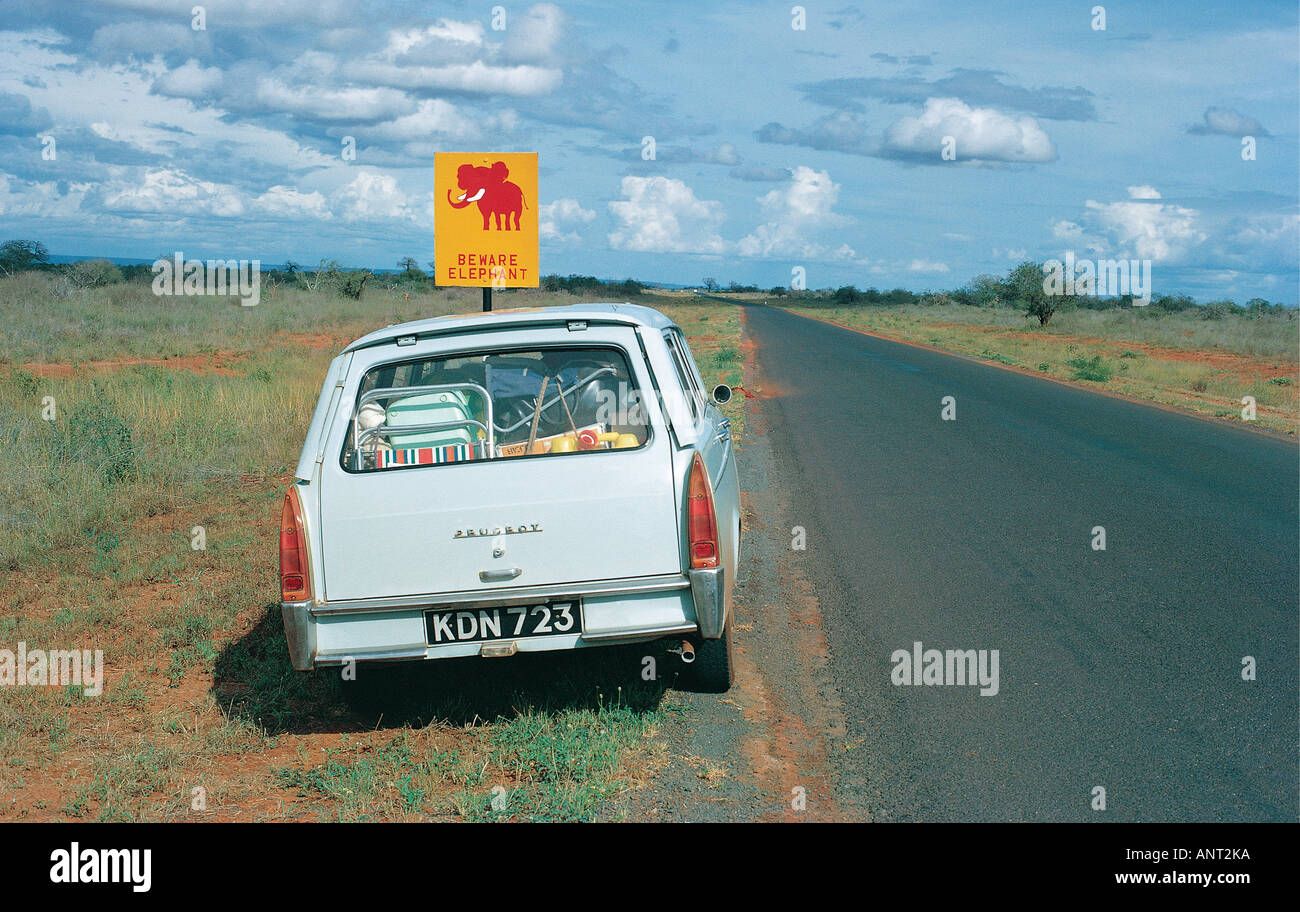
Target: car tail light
{"type": "Point", "coordinates": [701, 522]}
{"type": "Point", "coordinates": [295, 575]}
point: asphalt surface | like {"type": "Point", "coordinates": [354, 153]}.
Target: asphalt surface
{"type": "Point", "coordinates": [1119, 668]}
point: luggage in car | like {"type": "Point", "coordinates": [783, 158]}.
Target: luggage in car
{"type": "Point", "coordinates": [431, 408]}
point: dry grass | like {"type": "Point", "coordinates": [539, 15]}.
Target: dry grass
{"type": "Point", "coordinates": [1206, 366]}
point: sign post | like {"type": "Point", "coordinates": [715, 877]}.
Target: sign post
{"type": "Point", "coordinates": [485, 221]}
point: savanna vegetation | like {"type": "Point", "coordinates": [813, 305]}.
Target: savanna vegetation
{"type": "Point", "coordinates": [1207, 358]}
{"type": "Point", "coordinates": [145, 443]}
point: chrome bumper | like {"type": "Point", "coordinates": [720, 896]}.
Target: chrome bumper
{"type": "Point", "coordinates": [708, 591]}
{"type": "Point", "coordinates": [300, 618]}
{"type": "Point", "coordinates": [300, 631]}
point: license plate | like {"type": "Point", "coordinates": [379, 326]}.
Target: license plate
{"type": "Point", "coordinates": [478, 625]}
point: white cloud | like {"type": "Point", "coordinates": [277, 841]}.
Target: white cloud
{"type": "Point", "coordinates": [191, 80]}
{"type": "Point", "coordinates": [663, 215]}
{"type": "Point", "coordinates": [926, 266]}
{"type": "Point", "coordinates": [373, 195]}
{"type": "Point", "coordinates": [1156, 231]}
{"type": "Point", "coordinates": [433, 43]}
{"type": "Point", "coordinates": [477, 77]}
{"type": "Point", "coordinates": [1270, 240]}
{"type": "Point", "coordinates": [173, 192]}
{"type": "Point", "coordinates": [1143, 192]}
{"type": "Point", "coordinates": [983, 134]}
{"type": "Point", "coordinates": [565, 212]}
{"type": "Point", "coordinates": [437, 117]}
{"type": "Point", "coordinates": [39, 199]}
{"type": "Point", "coordinates": [793, 213]}
{"type": "Point", "coordinates": [289, 202]}
{"type": "Point", "coordinates": [320, 103]}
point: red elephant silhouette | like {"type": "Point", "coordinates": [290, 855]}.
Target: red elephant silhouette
{"type": "Point", "coordinates": [495, 195]}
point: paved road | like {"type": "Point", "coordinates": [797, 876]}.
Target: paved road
{"type": "Point", "coordinates": [1118, 668]}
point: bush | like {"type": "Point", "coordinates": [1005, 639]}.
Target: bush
{"type": "Point", "coordinates": [97, 436]}
{"type": "Point", "coordinates": [1089, 369]}
{"type": "Point", "coordinates": [92, 273]}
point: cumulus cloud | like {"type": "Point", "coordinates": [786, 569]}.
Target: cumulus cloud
{"type": "Point", "coordinates": [980, 134]}
{"type": "Point", "coordinates": [173, 192]}
{"type": "Point", "coordinates": [1137, 227]}
{"type": "Point", "coordinates": [663, 215]}
{"type": "Point", "coordinates": [794, 215]}
{"type": "Point", "coordinates": [1156, 231]}
{"type": "Point", "coordinates": [290, 203]}
{"type": "Point", "coordinates": [191, 80]}
{"type": "Point", "coordinates": [373, 195]}
{"type": "Point", "coordinates": [445, 41]}
{"type": "Point", "coordinates": [563, 213]}
{"type": "Point", "coordinates": [1143, 192]}
{"type": "Point", "coordinates": [1227, 122]}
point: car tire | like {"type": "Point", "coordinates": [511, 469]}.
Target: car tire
{"type": "Point", "coordinates": [713, 670]}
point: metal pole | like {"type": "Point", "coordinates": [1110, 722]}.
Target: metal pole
{"type": "Point", "coordinates": [487, 298]}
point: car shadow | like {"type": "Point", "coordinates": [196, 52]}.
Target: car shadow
{"type": "Point", "coordinates": [253, 681]}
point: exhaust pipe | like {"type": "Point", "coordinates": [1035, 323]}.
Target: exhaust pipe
{"type": "Point", "coordinates": [687, 652]}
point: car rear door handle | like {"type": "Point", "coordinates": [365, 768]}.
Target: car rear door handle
{"type": "Point", "coordinates": [497, 576]}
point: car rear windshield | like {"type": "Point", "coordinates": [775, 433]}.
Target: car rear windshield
{"type": "Point", "coordinates": [499, 405]}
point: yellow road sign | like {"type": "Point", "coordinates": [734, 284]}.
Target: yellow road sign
{"type": "Point", "coordinates": [485, 219]}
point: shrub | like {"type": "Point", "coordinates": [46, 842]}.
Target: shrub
{"type": "Point", "coordinates": [1089, 369]}
{"type": "Point", "coordinates": [92, 273]}
{"type": "Point", "coordinates": [97, 436]}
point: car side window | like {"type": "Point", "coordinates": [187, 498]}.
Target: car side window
{"type": "Point", "coordinates": [684, 378]}
{"type": "Point", "coordinates": [692, 368]}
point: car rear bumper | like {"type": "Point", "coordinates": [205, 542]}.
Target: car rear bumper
{"type": "Point", "coordinates": [613, 611]}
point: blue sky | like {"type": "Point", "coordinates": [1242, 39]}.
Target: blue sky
{"type": "Point", "coordinates": [775, 147]}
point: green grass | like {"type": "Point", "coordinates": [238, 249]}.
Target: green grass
{"type": "Point", "coordinates": [538, 765]}
{"type": "Point", "coordinates": [1089, 369]}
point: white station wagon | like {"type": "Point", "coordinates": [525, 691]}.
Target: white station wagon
{"type": "Point", "coordinates": [516, 481]}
